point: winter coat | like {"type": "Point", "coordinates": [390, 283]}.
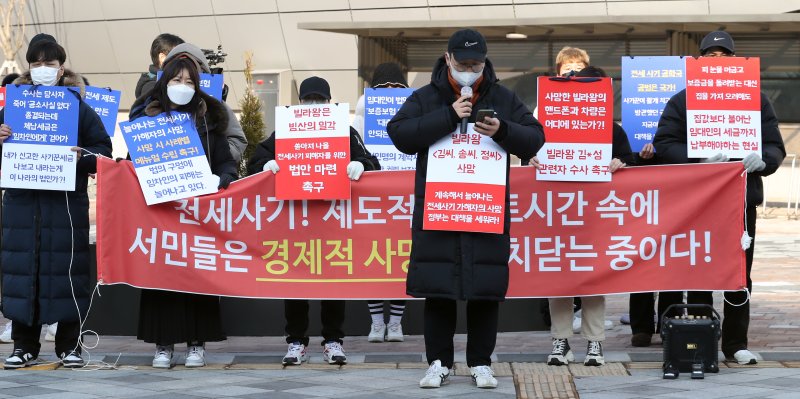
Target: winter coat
{"type": "Point", "coordinates": [234, 133]}
{"type": "Point", "coordinates": [450, 264]}
{"type": "Point", "coordinates": [670, 142]}
{"type": "Point", "coordinates": [211, 122]}
{"type": "Point", "coordinates": [38, 239]}
{"type": "Point", "coordinates": [265, 152]}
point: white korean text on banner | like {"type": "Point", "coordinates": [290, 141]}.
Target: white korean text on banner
{"type": "Point", "coordinates": [465, 188]}
{"type": "Point", "coordinates": [44, 128]}
{"type": "Point", "coordinates": [312, 148]}
{"type": "Point", "coordinates": [723, 106]}
{"type": "Point", "coordinates": [168, 157]}
{"type": "Point", "coordinates": [380, 106]}
{"type": "Point", "coordinates": [577, 116]}
{"type": "Point", "coordinates": [647, 85]}
{"type": "Point", "coordinates": [105, 103]}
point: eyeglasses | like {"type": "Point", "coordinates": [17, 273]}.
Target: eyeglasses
{"type": "Point", "coordinates": [476, 67]}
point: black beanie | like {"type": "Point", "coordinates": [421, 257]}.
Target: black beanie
{"type": "Point", "coordinates": [388, 73]}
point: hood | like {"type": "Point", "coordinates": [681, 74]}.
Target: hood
{"type": "Point", "coordinates": [69, 79]}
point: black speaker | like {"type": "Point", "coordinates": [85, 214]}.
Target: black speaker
{"type": "Point", "coordinates": [690, 341]}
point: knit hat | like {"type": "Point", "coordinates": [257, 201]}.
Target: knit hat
{"type": "Point", "coordinates": [388, 73]}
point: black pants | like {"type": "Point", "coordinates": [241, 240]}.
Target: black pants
{"type": "Point", "coordinates": [736, 319]}
{"type": "Point", "coordinates": [641, 307]}
{"type": "Point", "coordinates": [27, 337]}
{"type": "Point", "coordinates": [440, 326]}
{"type": "Point", "coordinates": [296, 313]}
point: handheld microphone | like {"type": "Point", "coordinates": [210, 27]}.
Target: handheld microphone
{"type": "Point", "coordinates": [465, 91]}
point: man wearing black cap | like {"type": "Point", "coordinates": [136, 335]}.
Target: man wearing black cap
{"type": "Point", "coordinates": [314, 90]}
{"type": "Point", "coordinates": [670, 143]}
{"type": "Point", "coordinates": [447, 266]}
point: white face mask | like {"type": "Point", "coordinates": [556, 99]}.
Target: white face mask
{"type": "Point", "coordinates": [465, 78]}
{"type": "Point", "coordinates": [44, 75]}
{"type": "Point", "coordinates": [180, 94]}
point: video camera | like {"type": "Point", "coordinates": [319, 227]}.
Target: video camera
{"type": "Point", "coordinates": [215, 57]}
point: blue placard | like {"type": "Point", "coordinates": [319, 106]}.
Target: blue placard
{"type": "Point", "coordinates": [45, 115]}
{"type": "Point", "coordinates": [106, 103]}
{"type": "Point", "coordinates": [647, 85]}
{"type": "Point", "coordinates": [210, 84]}
{"type": "Point", "coordinates": [380, 105]}
{"type": "Point", "coordinates": [161, 138]}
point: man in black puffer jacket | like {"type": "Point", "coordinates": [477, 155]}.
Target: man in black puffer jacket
{"type": "Point", "coordinates": [670, 143]}
{"type": "Point", "coordinates": [448, 265]}
{"type": "Point", "coordinates": [45, 249]}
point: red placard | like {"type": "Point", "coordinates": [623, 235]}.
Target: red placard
{"type": "Point", "coordinates": [312, 149]}
{"type": "Point", "coordinates": [639, 233]}
{"type": "Point", "coordinates": [2, 97]}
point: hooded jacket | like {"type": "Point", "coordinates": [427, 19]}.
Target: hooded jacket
{"type": "Point", "coordinates": [451, 264]}
{"type": "Point", "coordinates": [46, 233]}
{"type": "Point", "coordinates": [670, 142]}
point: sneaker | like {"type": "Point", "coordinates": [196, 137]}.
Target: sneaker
{"type": "Point", "coordinates": [436, 376]}
{"type": "Point", "coordinates": [195, 356]}
{"type": "Point", "coordinates": [641, 340]}
{"type": "Point", "coordinates": [608, 324]}
{"type": "Point", "coordinates": [561, 354]}
{"type": "Point", "coordinates": [483, 377]}
{"type": "Point", "coordinates": [296, 354]}
{"type": "Point", "coordinates": [72, 360]}
{"type": "Point", "coordinates": [625, 319]}
{"type": "Point", "coordinates": [394, 332]}
{"type": "Point", "coordinates": [163, 357]}
{"type": "Point", "coordinates": [377, 332]}
{"type": "Point", "coordinates": [5, 336]}
{"type": "Point", "coordinates": [576, 322]}
{"type": "Point", "coordinates": [594, 354]}
{"type": "Point", "coordinates": [334, 353]}
{"type": "Point", "coordinates": [744, 356]}
{"type": "Point", "coordinates": [19, 359]}
{"type": "Point", "coordinates": [50, 332]}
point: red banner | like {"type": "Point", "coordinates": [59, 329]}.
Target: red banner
{"type": "Point", "coordinates": [660, 228]}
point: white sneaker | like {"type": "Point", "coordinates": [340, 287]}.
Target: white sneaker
{"type": "Point", "coordinates": [377, 332]}
{"type": "Point", "coordinates": [744, 356]}
{"type": "Point", "coordinates": [576, 322]}
{"type": "Point", "coordinates": [625, 319]}
{"type": "Point", "coordinates": [163, 357]}
{"type": "Point", "coordinates": [196, 356]}
{"type": "Point", "coordinates": [394, 332]}
{"type": "Point", "coordinates": [334, 353]}
{"type": "Point", "coordinates": [435, 376]}
{"type": "Point", "coordinates": [483, 377]}
{"type": "Point", "coordinates": [608, 324]}
{"type": "Point", "coordinates": [296, 354]}
{"type": "Point", "coordinates": [594, 354]}
{"type": "Point", "coordinates": [5, 336]}
{"type": "Point", "coordinates": [50, 334]}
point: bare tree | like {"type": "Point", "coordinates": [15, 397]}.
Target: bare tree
{"type": "Point", "coordinates": [12, 33]}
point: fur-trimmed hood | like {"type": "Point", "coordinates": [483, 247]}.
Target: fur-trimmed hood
{"type": "Point", "coordinates": [69, 79]}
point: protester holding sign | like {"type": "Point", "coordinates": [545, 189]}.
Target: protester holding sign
{"type": "Point", "coordinates": [314, 90]}
{"type": "Point", "coordinates": [46, 233]}
{"type": "Point", "coordinates": [167, 318]}
{"type": "Point", "coordinates": [671, 145]}
{"type": "Point", "coordinates": [386, 75]}
{"type": "Point", "coordinates": [447, 266]}
{"type": "Point", "coordinates": [167, 46]}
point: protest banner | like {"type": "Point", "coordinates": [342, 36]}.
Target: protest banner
{"type": "Point", "coordinates": [105, 103]}
{"type": "Point", "coordinates": [312, 148]}
{"type": "Point", "coordinates": [380, 105]}
{"type": "Point", "coordinates": [723, 106]}
{"type": "Point", "coordinates": [647, 85]}
{"type": "Point", "coordinates": [44, 128]}
{"type": "Point", "coordinates": [639, 233]}
{"type": "Point", "coordinates": [465, 187]}
{"type": "Point", "coordinates": [168, 156]}
{"type": "Point", "coordinates": [577, 117]}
